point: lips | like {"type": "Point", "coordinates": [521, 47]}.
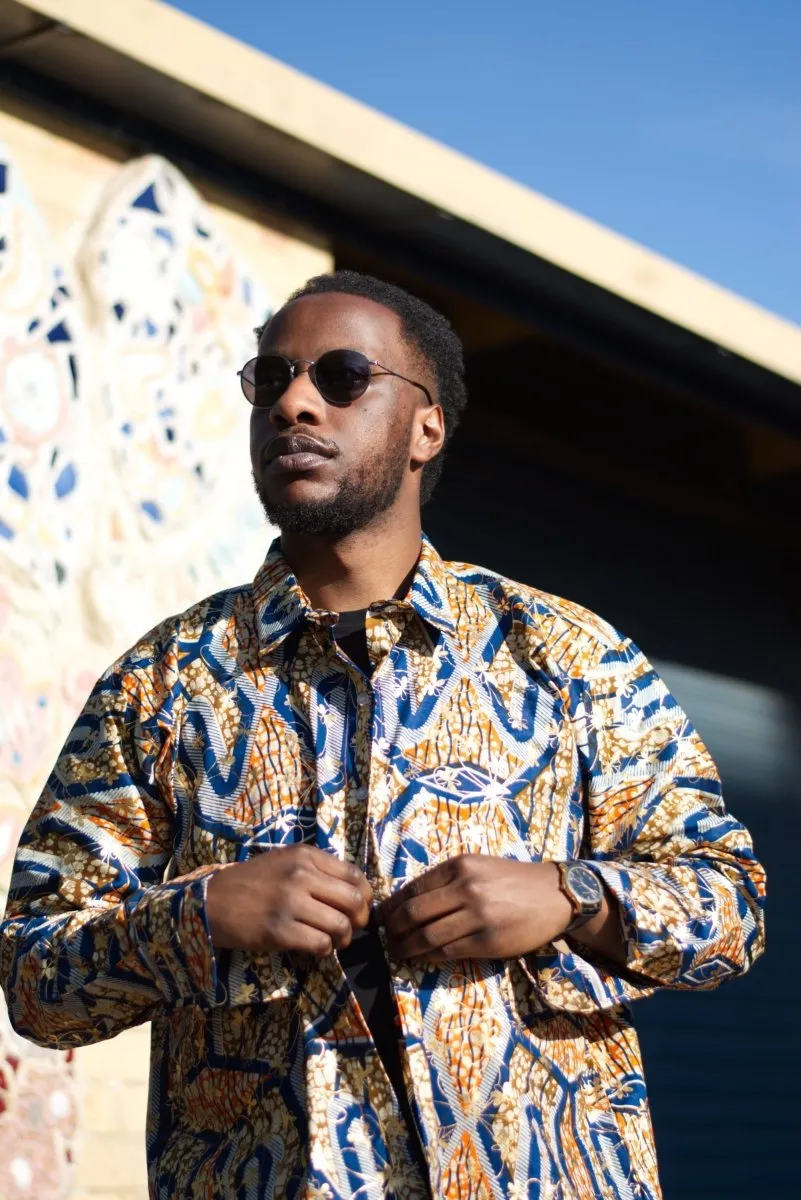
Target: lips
{"type": "Point", "coordinates": [297, 452]}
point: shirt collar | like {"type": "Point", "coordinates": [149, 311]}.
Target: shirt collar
{"type": "Point", "coordinates": [282, 606]}
{"type": "Point", "coordinates": [429, 594]}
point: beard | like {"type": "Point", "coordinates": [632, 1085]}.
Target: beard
{"type": "Point", "coordinates": [360, 498]}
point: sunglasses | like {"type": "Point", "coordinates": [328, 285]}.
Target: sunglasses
{"type": "Point", "coordinates": [340, 376]}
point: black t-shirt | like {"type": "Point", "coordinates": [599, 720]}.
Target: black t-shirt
{"type": "Point", "coordinates": [364, 961]}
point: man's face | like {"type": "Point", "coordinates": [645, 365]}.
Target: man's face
{"type": "Point", "coordinates": [325, 470]}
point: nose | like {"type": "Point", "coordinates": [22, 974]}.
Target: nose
{"type": "Point", "coordinates": [301, 403]}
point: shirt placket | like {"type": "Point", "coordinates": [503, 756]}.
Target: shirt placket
{"type": "Point", "coordinates": [365, 775]}
{"type": "Point", "coordinates": [358, 799]}
{"type": "Point", "coordinates": [362, 779]}
{"type": "Point", "coordinates": [384, 629]}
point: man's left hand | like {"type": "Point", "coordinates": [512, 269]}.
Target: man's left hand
{"type": "Point", "coordinates": [477, 906]}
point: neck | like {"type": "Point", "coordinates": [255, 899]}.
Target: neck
{"type": "Point", "coordinates": [352, 573]}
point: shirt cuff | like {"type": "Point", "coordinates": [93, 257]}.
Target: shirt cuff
{"type": "Point", "coordinates": [170, 933]}
{"type": "Point", "coordinates": [172, 938]}
{"type": "Point", "coordinates": [570, 977]}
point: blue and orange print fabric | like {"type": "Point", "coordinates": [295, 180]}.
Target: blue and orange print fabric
{"type": "Point", "coordinates": [498, 720]}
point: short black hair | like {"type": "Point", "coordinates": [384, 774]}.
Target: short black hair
{"type": "Point", "coordinates": [425, 330]}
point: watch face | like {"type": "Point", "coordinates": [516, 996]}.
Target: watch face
{"type": "Point", "coordinates": [584, 884]}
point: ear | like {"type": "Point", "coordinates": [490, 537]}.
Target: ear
{"type": "Point", "coordinates": [428, 434]}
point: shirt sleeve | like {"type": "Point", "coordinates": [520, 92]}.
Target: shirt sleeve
{"type": "Point", "coordinates": [94, 940]}
{"type": "Point", "coordinates": [682, 870]}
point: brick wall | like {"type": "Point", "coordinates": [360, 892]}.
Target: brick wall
{"type": "Point", "coordinates": [112, 1080]}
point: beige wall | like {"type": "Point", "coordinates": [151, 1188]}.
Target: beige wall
{"type": "Point", "coordinates": [59, 636]}
{"type": "Point", "coordinates": [66, 170]}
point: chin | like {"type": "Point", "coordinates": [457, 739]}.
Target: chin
{"type": "Point", "coordinates": [298, 505]}
{"type": "Point", "coordinates": [296, 490]}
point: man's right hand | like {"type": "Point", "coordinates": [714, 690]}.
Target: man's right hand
{"type": "Point", "coordinates": [290, 898]}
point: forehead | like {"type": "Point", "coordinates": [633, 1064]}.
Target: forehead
{"type": "Point", "coordinates": [308, 327]}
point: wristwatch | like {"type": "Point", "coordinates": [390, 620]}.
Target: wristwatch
{"type": "Point", "coordinates": [583, 889]}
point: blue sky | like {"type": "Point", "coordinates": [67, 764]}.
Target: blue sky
{"type": "Point", "coordinates": [675, 123]}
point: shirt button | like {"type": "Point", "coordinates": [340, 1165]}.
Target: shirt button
{"type": "Point", "coordinates": [362, 700]}
{"type": "Point", "coordinates": [362, 793]}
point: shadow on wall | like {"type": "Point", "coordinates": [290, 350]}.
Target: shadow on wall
{"type": "Point", "coordinates": [120, 421]}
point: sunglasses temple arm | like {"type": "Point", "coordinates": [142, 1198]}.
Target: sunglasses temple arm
{"type": "Point", "coordinates": [413, 382]}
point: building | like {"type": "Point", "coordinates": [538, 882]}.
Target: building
{"type": "Point", "coordinates": [633, 442]}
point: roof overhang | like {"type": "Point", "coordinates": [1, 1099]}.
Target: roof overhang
{"type": "Point", "coordinates": [341, 162]}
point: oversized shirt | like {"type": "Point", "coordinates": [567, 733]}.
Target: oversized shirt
{"type": "Point", "coordinates": [498, 720]}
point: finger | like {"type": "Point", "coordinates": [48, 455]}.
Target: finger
{"type": "Point", "coordinates": [430, 941]}
{"type": "Point", "coordinates": [354, 877]}
{"type": "Point", "coordinates": [367, 891]}
{"type": "Point", "coordinates": [329, 864]}
{"type": "Point", "coordinates": [422, 909]}
{"type": "Point", "coordinates": [325, 919]}
{"type": "Point", "coordinates": [473, 945]}
{"type": "Point", "coordinates": [336, 893]}
{"type": "Point", "coordinates": [429, 881]}
{"type": "Point", "coordinates": [305, 939]}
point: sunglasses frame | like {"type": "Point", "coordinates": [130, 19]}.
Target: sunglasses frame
{"type": "Point", "coordinates": [311, 365]}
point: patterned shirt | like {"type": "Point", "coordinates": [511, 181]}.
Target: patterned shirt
{"type": "Point", "coordinates": [498, 720]}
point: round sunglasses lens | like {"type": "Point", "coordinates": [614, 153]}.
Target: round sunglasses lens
{"type": "Point", "coordinates": [265, 379]}
{"type": "Point", "coordinates": [342, 376]}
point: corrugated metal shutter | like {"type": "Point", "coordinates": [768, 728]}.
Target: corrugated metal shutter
{"type": "Point", "coordinates": [722, 1067]}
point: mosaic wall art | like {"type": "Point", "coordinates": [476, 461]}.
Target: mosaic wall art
{"type": "Point", "coordinates": [30, 717]}
{"type": "Point", "coordinates": [41, 528]}
{"type": "Point", "coordinates": [38, 1119]}
{"type": "Point", "coordinates": [40, 410]}
{"type": "Point", "coordinates": [124, 494]}
{"type": "Point", "coordinates": [173, 311]}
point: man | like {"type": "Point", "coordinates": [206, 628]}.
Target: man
{"type": "Point", "coordinates": [383, 846]}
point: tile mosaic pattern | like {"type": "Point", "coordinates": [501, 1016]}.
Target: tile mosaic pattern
{"type": "Point", "coordinates": [41, 475]}
{"type": "Point", "coordinates": [120, 414]}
